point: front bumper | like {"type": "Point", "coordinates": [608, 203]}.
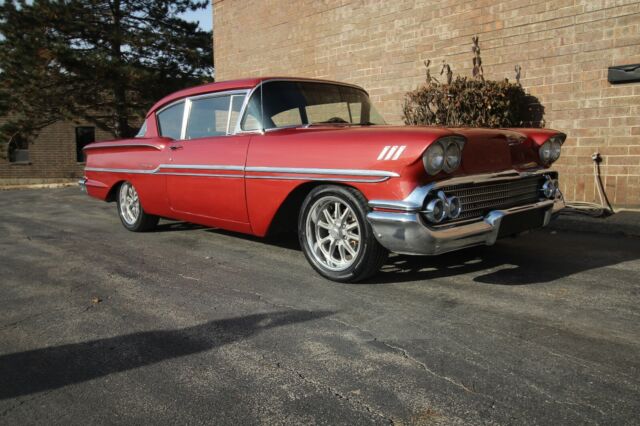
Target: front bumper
{"type": "Point", "coordinates": [407, 232]}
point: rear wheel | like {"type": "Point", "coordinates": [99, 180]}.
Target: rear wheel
{"type": "Point", "coordinates": [335, 236]}
{"type": "Point", "coordinates": [131, 213]}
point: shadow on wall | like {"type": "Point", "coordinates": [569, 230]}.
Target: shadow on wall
{"type": "Point", "coordinates": [24, 373]}
{"type": "Point", "coordinates": [533, 112]}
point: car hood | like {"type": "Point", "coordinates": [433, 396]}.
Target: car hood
{"type": "Point", "coordinates": [397, 148]}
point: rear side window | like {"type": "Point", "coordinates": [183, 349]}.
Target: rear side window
{"type": "Point", "coordinates": [170, 121]}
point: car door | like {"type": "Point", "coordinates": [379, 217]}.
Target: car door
{"type": "Point", "coordinates": [205, 167]}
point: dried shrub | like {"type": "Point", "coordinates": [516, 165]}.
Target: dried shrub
{"type": "Point", "coordinates": [472, 102]}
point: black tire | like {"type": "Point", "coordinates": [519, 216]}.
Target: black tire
{"type": "Point", "coordinates": [141, 222]}
{"type": "Point", "coordinates": [370, 255]}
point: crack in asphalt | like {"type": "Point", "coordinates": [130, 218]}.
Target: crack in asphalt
{"type": "Point", "coordinates": [405, 354]}
{"type": "Point", "coordinates": [23, 401]}
{"type": "Point", "coordinates": [335, 392]}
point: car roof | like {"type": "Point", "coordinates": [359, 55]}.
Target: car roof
{"type": "Point", "coordinates": [220, 86]}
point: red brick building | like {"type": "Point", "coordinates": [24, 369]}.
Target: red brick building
{"type": "Point", "coordinates": [55, 155]}
{"type": "Point", "coordinates": [563, 46]}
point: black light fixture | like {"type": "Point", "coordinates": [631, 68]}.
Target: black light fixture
{"type": "Point", "coordinates": [624, 74]}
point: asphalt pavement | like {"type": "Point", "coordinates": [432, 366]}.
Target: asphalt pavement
{"type": "Point", "coordinates": [188, 325]}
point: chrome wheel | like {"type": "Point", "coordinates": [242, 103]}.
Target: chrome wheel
{"type": "Point", "coordinates": [333, 233]}
{"type": "Point", "coordinates": [129, 204]}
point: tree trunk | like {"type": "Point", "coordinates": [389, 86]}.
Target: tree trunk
{"type": "Point", "coordinates": [121, 116]}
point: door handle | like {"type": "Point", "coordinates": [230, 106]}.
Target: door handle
{"type": "Point", "coordinates": [175, 147]}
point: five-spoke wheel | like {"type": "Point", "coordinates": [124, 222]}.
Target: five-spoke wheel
{"type": "Point", "coordinates": [335, 236]}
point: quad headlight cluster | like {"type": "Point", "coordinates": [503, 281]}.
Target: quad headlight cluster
{"type": "Point", "coordinates": [442, 207]}
{"type": "Point", "coordinates": [550, 188]}
{"type": "Point", "coordinates": [550, 150]}
{"type": "Point", "coordinates": [445, 154]}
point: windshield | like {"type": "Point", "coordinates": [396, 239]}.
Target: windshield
{"type": "Point", "coordinates": [293, 103]}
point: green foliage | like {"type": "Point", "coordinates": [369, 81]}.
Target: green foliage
{"type": "Point", "coordinates": [471, 102]}
{"type": "Point", "coordinates": [104, 61]}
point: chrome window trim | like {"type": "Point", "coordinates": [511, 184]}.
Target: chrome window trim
{"type": "Point", "coordinates": [187, 110]}
{"type": "Point", "coordinates": [238, 130]}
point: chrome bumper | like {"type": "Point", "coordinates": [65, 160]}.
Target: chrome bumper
{"type": "Point", "coordinates": [401, 228]}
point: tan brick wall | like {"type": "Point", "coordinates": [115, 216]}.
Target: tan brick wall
{"type": "Point", "coordinates": [563, 46]}
{"type": "Point", "coordinates": [52, 157]}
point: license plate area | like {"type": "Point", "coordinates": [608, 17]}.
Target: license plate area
{"type": "Point", "coordinates": [519, 222]}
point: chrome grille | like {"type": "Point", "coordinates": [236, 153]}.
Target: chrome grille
{"type": "Point", "coordinates": [478, 199]}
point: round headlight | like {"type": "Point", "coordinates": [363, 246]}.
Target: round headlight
{"type": "Point", "coordinates": [556, 147]}
{"type": "Point", "coordinates": [434, 159]}
{"type": "Point", "coordinates": [545, 153]}
{"type": "Point", "coordinates": [452, 157]}
{"type": "Point", "coordinates": [435, 210]}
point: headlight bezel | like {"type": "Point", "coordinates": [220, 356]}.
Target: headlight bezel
{"type": "Point", "coordinates": [551, 150]}
{"type": "Point", "coordinates": [428, 155]}
{"type": "Point", "coordinates": [447, 166]}
{"type": "Point", "coordinates": [442, 146]}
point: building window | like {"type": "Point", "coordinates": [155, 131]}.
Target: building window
{"type": "Point", "coordinates": [84, 136]}
{"type": "Point", "coordinates": [18, 150]}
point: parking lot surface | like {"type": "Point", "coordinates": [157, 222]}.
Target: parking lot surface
{"type": "Point", "coordinates": [194, 325]}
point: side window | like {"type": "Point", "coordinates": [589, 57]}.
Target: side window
{"type": "Point", "coordinates": [208, 117]}
{"type": "Point", "coordinates": [170, 121]}
{"type": "Point", "coordinates": [214, 116]}
{"type": "Point", "coordinates": [143, 130]}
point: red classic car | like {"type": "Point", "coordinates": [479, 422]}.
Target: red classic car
{"type": "Point", "coordinates": [261, 155]}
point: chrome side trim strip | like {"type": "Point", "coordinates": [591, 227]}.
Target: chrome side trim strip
{"type": "Point", "coordinates": [200, 167]}
{"type": "Point", "coordinates": [121, 145]}
{"type": "Point", "coordinates": [201, 174]}
{"type": "Point", "coordinates": [110, 170]}
{"type": "Point", "coordinates": [315, 178]}
{"type": "Point", "coordinates": [342, 172]}
{"type": "Point", "coordinates": [376, 175]}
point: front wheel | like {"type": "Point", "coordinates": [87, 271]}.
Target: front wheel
{"type": "Point", "coordinates": [335, 236]}
{"type": "Point", "coordinates": [131, 213]}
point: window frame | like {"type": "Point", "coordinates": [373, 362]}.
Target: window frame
{"type": "Point", "coordinates": [80, 151]}
{"type": "Point", "coordinates": [231, 127]}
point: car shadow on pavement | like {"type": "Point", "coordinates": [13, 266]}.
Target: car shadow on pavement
{"type": "Point", "coordinates": [536, 258]}
{"type": "Point", "coordinates": [38, 370]}
{"type": "Point", "coordinates": [178, 226]}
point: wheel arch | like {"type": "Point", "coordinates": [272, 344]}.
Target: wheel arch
{"type": "Point", "coordinates": [286, 217]}
{"type": "Point", "coordinates": [113, 191]}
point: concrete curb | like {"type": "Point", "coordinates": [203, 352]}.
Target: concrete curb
{"type": "Point", "coordinates": [38, 186]}
{"type": "Point", "coordinates": [626, 222]}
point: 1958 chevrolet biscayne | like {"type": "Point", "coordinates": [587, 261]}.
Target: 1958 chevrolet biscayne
{"type": "Point", "coordinates": [265, 154]}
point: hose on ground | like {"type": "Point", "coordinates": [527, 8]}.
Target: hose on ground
{"type": "Point", "coordinates": [587, 208]}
